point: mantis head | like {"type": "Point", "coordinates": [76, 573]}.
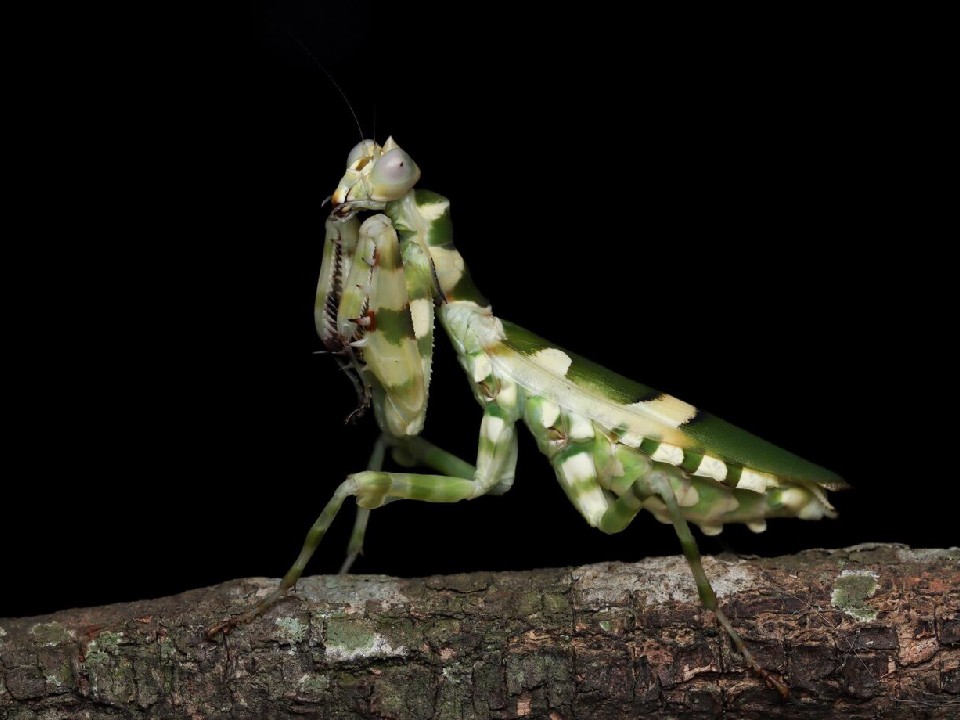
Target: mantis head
{"type": "Point", "coordinates": [375, 175]}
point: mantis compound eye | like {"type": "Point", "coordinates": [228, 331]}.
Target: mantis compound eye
{"type": "Point", "coordinates": [394, 174]}
{"type": "Point", "coordinates": [364, 148]}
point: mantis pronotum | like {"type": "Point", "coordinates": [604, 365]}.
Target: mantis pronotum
{"type": "Point", "coordinates": [617, 446]}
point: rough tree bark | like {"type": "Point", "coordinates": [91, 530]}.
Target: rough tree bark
{"type": "Point", "coordinates": [866, 632]}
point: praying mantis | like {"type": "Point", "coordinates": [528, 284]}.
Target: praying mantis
{"type": "Point", "coordinates": [617, 446]}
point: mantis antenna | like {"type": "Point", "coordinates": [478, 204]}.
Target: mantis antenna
{"type": "Point", "coordinates": [330, 77]}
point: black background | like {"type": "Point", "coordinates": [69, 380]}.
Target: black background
{"type": "Point", "coordinates": [719, 208]}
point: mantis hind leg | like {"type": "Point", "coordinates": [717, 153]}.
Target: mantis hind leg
{"type": "Point", "coordinates": [657, 482]}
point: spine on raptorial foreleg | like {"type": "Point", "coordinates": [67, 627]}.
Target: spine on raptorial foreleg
{"type": "Point", "coordinates": [339, 248]}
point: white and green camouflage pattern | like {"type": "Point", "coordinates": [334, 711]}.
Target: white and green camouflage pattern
{"type": "Point", "coordinates": [617, 446]}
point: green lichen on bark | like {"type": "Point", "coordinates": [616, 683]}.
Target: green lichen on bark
{"type": "Point", "coordinates": [50, 634]}
{"type": "Point", "coordinates": [852, 590]}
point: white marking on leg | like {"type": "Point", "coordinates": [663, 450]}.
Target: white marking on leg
{"type": "Point", "coordinates": [578, 467]}
{"type": "Point", "coordinates": [579, 475]}
{"type": "Point", "coordinates": [492, 427]}
{"type": "Point", "coordinates": [592, 504]}
{"type": "Point", "coordinates": [580, 427]}
{"type": "Point", "coordinates": [420, 313]}
{"type": "Point", "coordinates": [481, 367]}
{"type": "Point", "coordinates": [549, 412]}
{"type": "Point", "coordinates": [631, 440]}
{"type": "Point", "coordinates": [507, 397]}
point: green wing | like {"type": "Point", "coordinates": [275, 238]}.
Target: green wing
{"type": "Point", "coordinates": [692, 429]}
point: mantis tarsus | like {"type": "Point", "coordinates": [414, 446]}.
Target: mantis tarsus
{"type": "Point", "coordinates": [617, 446]}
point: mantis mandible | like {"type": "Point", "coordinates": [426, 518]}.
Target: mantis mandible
{"type": "Point", "coordinates": [617, 446]}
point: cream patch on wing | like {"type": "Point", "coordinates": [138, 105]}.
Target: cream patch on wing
{"type": "Point", "coordinates": [666, 409]}
{"type": "Point", "coordinates": [552, 360]}
{"type": "Point", "coordinates": [632, 425]}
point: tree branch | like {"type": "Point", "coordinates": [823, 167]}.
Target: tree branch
{"type": "Point", "coordinates": [868, 631]}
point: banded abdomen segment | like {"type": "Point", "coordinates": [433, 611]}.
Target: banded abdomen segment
{"type": "Point", "coordinates": [607, 481]}
{"type": "Point", "coordinates": [600, 445]}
